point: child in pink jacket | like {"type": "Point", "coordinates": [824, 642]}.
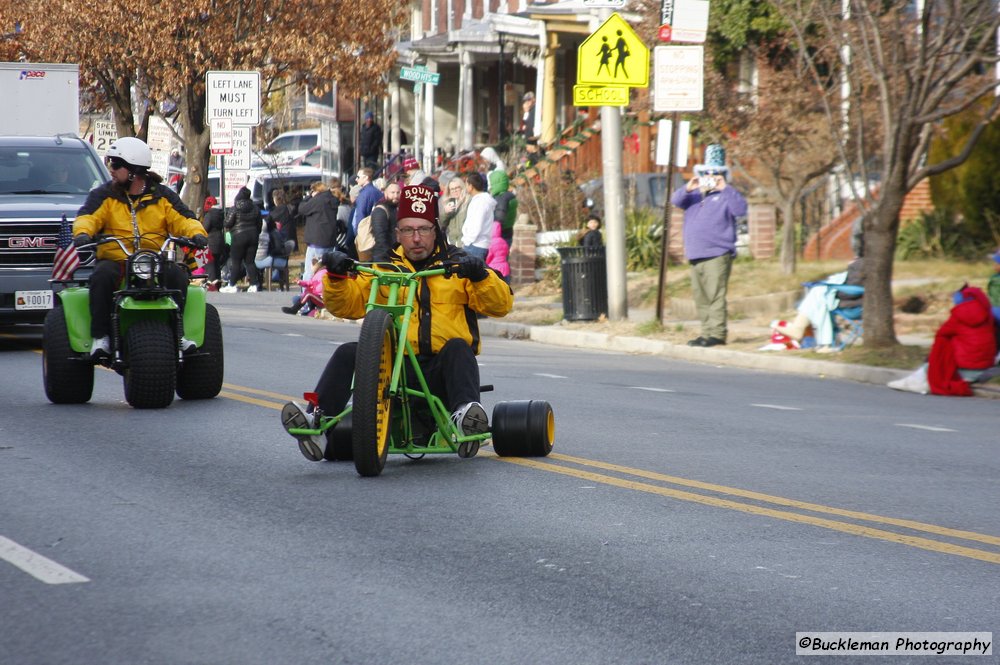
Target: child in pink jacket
{"type": "Point", "coordinates": [496, 255]}
{"type": "Point", "coordinates": [311, 299]}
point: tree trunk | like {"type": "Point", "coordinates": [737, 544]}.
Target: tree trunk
{"type": "Point", "coordinates": [880, 230]}
{"type": "Point", "coordinates": [196, 143]}
{"type": "Point", "coordinates": [788, 253]}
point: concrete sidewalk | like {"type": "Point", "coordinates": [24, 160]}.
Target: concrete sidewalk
{"type": "Point", "coordinates": [557, 335]}
{"type": "Point", "coordinates": [774, 361]}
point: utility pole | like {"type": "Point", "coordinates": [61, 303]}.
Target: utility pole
{"type": "Point", "coordinates": [614, 204]}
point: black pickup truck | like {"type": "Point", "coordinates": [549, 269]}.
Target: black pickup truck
{"type": "Point", "coordinates": [41, 179]}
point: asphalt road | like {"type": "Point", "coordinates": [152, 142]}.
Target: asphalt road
{"type": "Point", "coordinates": [689, 514]}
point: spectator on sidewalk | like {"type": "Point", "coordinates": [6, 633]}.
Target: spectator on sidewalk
{"type": "Point", "coordinates": [592, 236]}
{"type": "Point", "coordinates": [310, 300]}
{"type": "Point", "coordinates": [711, 208]}
{"type": "Point", "coordinates": [499, 250]}
{"type": "Point", "coordinates": [319, 212]}
{"type": "Point", "coordinates": [963, 345]}
{"type": "Point", "coordinates": [454, 206]}
{"type": "Point", "coordinates": [370, 141]}
{"type": "Point", "coordinates": [820, 300]}
{"type": "Point", "coordinates": [477, 229]}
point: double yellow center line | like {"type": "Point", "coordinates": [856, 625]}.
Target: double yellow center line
{"type": "Point", "coordinates": [708, 494]}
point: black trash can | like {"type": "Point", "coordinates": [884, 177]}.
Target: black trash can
{"type": "Point", "coordinates": [584, 283]}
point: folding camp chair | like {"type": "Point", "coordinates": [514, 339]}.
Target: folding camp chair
{"type": "Point", "coordinates": [847, 321]}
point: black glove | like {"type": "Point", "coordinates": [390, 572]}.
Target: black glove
{"type": "Point", "coordinates": [336, 262]}
{"type": "Point", "coordinates": [471, 267]}
{"type": "Point", "coordinates": [200, 241]}
{"type": "Point", "coordinates": [82, 239]}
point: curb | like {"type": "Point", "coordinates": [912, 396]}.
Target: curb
{"type": "Point", "coordinates": [716, 356]}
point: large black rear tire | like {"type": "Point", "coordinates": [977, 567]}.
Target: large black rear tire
{"type": "Point", "coordinates": [372, 412]}
{"type": "Point", "coordinates": [524, 428]}
{"type": "Point", "coordinates": [151, 373]}
{"type": "Point", "coordinates": [201, 374]}
{"type": "Point", "coordinates": [68, 379]}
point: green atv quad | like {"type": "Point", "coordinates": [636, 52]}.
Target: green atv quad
{"type": "Point", "coordinates": [147, 329]}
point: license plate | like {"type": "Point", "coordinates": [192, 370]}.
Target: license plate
{"type": "Point", "coordinates": [32, 300]}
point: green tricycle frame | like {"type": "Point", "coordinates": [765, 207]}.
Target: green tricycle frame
{"type": "Point", "coordinates": [388, 415]}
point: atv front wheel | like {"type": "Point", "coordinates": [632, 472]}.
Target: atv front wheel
{"type": "Point", "coordinates": [151, 365]}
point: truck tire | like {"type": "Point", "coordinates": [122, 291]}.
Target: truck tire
{"type": "Point", "coordinates": [151, 365]}
{"type": "Point", "coordinates": [200, 375]}
{"type": "Point", "coordinates": [524, 428]}
{"type": "Point", "coordinates": [68, 379]}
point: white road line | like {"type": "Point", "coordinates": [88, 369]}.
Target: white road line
{"type": "Point", "coordinates": [926, 427]}
{"type": "Point", "coordinates": [653, 390]}
{"type": "Point", "coordinates": [551, 376]}
{"type": "Point", "coordinates": [36, 565]}
{"type": "Point", "coordinates": [778, 407]}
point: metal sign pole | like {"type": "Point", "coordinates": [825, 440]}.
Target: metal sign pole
{"type": "Point", "coordinates": [667, 213]}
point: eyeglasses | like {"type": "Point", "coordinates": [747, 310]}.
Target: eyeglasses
{"type": "Point", "coordinates": [115, 163]}
{"type": "Point", "coordinates": [411, 231]}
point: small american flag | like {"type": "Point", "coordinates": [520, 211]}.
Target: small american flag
{"type": "Point", "coordinates": [67, 260]}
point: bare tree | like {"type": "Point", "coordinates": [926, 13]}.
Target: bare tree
{"type": "Point", "coordinates": [772, 130]}
{"type": "Point", "coordinates": [917, 64]}
{"type": "Point", "coordinates": [164, 53]}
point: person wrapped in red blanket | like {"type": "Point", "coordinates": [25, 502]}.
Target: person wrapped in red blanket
{"type": "Point", "coordinates": [966, 341]}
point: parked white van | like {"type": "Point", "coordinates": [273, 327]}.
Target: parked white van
{"type": "Point", "coordinates": [262, 182]}
{"type": "Point", "coordinates": [288, 148]}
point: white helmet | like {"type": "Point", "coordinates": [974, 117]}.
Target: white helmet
{"type": "Point", "coordinates": [132, 151]}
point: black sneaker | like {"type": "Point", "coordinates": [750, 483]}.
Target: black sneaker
{"type": "Point", "coordinates": [697, 341]}
{"type": "Point", "coordinates": [288, 309]}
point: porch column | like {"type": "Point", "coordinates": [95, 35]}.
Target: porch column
{"type": "Point", "coordinates": [429, 139]}
{"type": "Point", "coordinates": [466, 120]}
{"type": "Point", "coordinates": [548, 129]}
{"type": "Point", "coordinates": [394, 124]}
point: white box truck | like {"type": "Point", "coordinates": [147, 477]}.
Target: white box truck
{"type": "Point", "coordinates": [39, 98]}
{"type": "Point", "coordinates": [46, 172]}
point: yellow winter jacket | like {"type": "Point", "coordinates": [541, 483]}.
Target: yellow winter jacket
{"type": "Point", "coordinates": [158, 211]}
{"type": "Point", "coordinates": [453, 303]}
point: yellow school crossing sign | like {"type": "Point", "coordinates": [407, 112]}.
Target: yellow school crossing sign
{"type": "Point", "coordinates": [613, 56]}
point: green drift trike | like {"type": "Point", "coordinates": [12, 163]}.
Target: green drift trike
{"type": "Point", "coordinates": [147, 330]}
{"type": "Point", "coordinates": [389, 415]}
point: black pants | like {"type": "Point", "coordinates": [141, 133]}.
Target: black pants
{"type": "Point", "coordinates": [452, 375]}
{"type": "Point", "coordinates": [241, 254]}
{"type": "Point", "coordinates": [220, 254]}
{"type": "Point", "coordinates": [106, 279]}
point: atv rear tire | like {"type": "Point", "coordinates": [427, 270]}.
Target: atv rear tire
{"type": "Point", "coordinates": [201, 374]}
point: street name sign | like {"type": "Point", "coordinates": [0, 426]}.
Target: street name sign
{"type": "Point", "coordinates": [419, 75]}
{"type": "Point", "coordinates": [613, 56]}
{"type": "Point", "coordinates": [233, 95]}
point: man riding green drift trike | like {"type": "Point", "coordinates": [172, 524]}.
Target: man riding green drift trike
{"type": "Point", "coordinates": [442, 328]}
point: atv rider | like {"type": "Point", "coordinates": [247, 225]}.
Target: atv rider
{"type": "Point", "coordinates": [134, 201]}
{"type": "Point", "coordinates": [444, 329]}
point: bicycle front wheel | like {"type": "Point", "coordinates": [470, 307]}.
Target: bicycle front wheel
{"type": "Point", "coordinates": [372, 413]}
